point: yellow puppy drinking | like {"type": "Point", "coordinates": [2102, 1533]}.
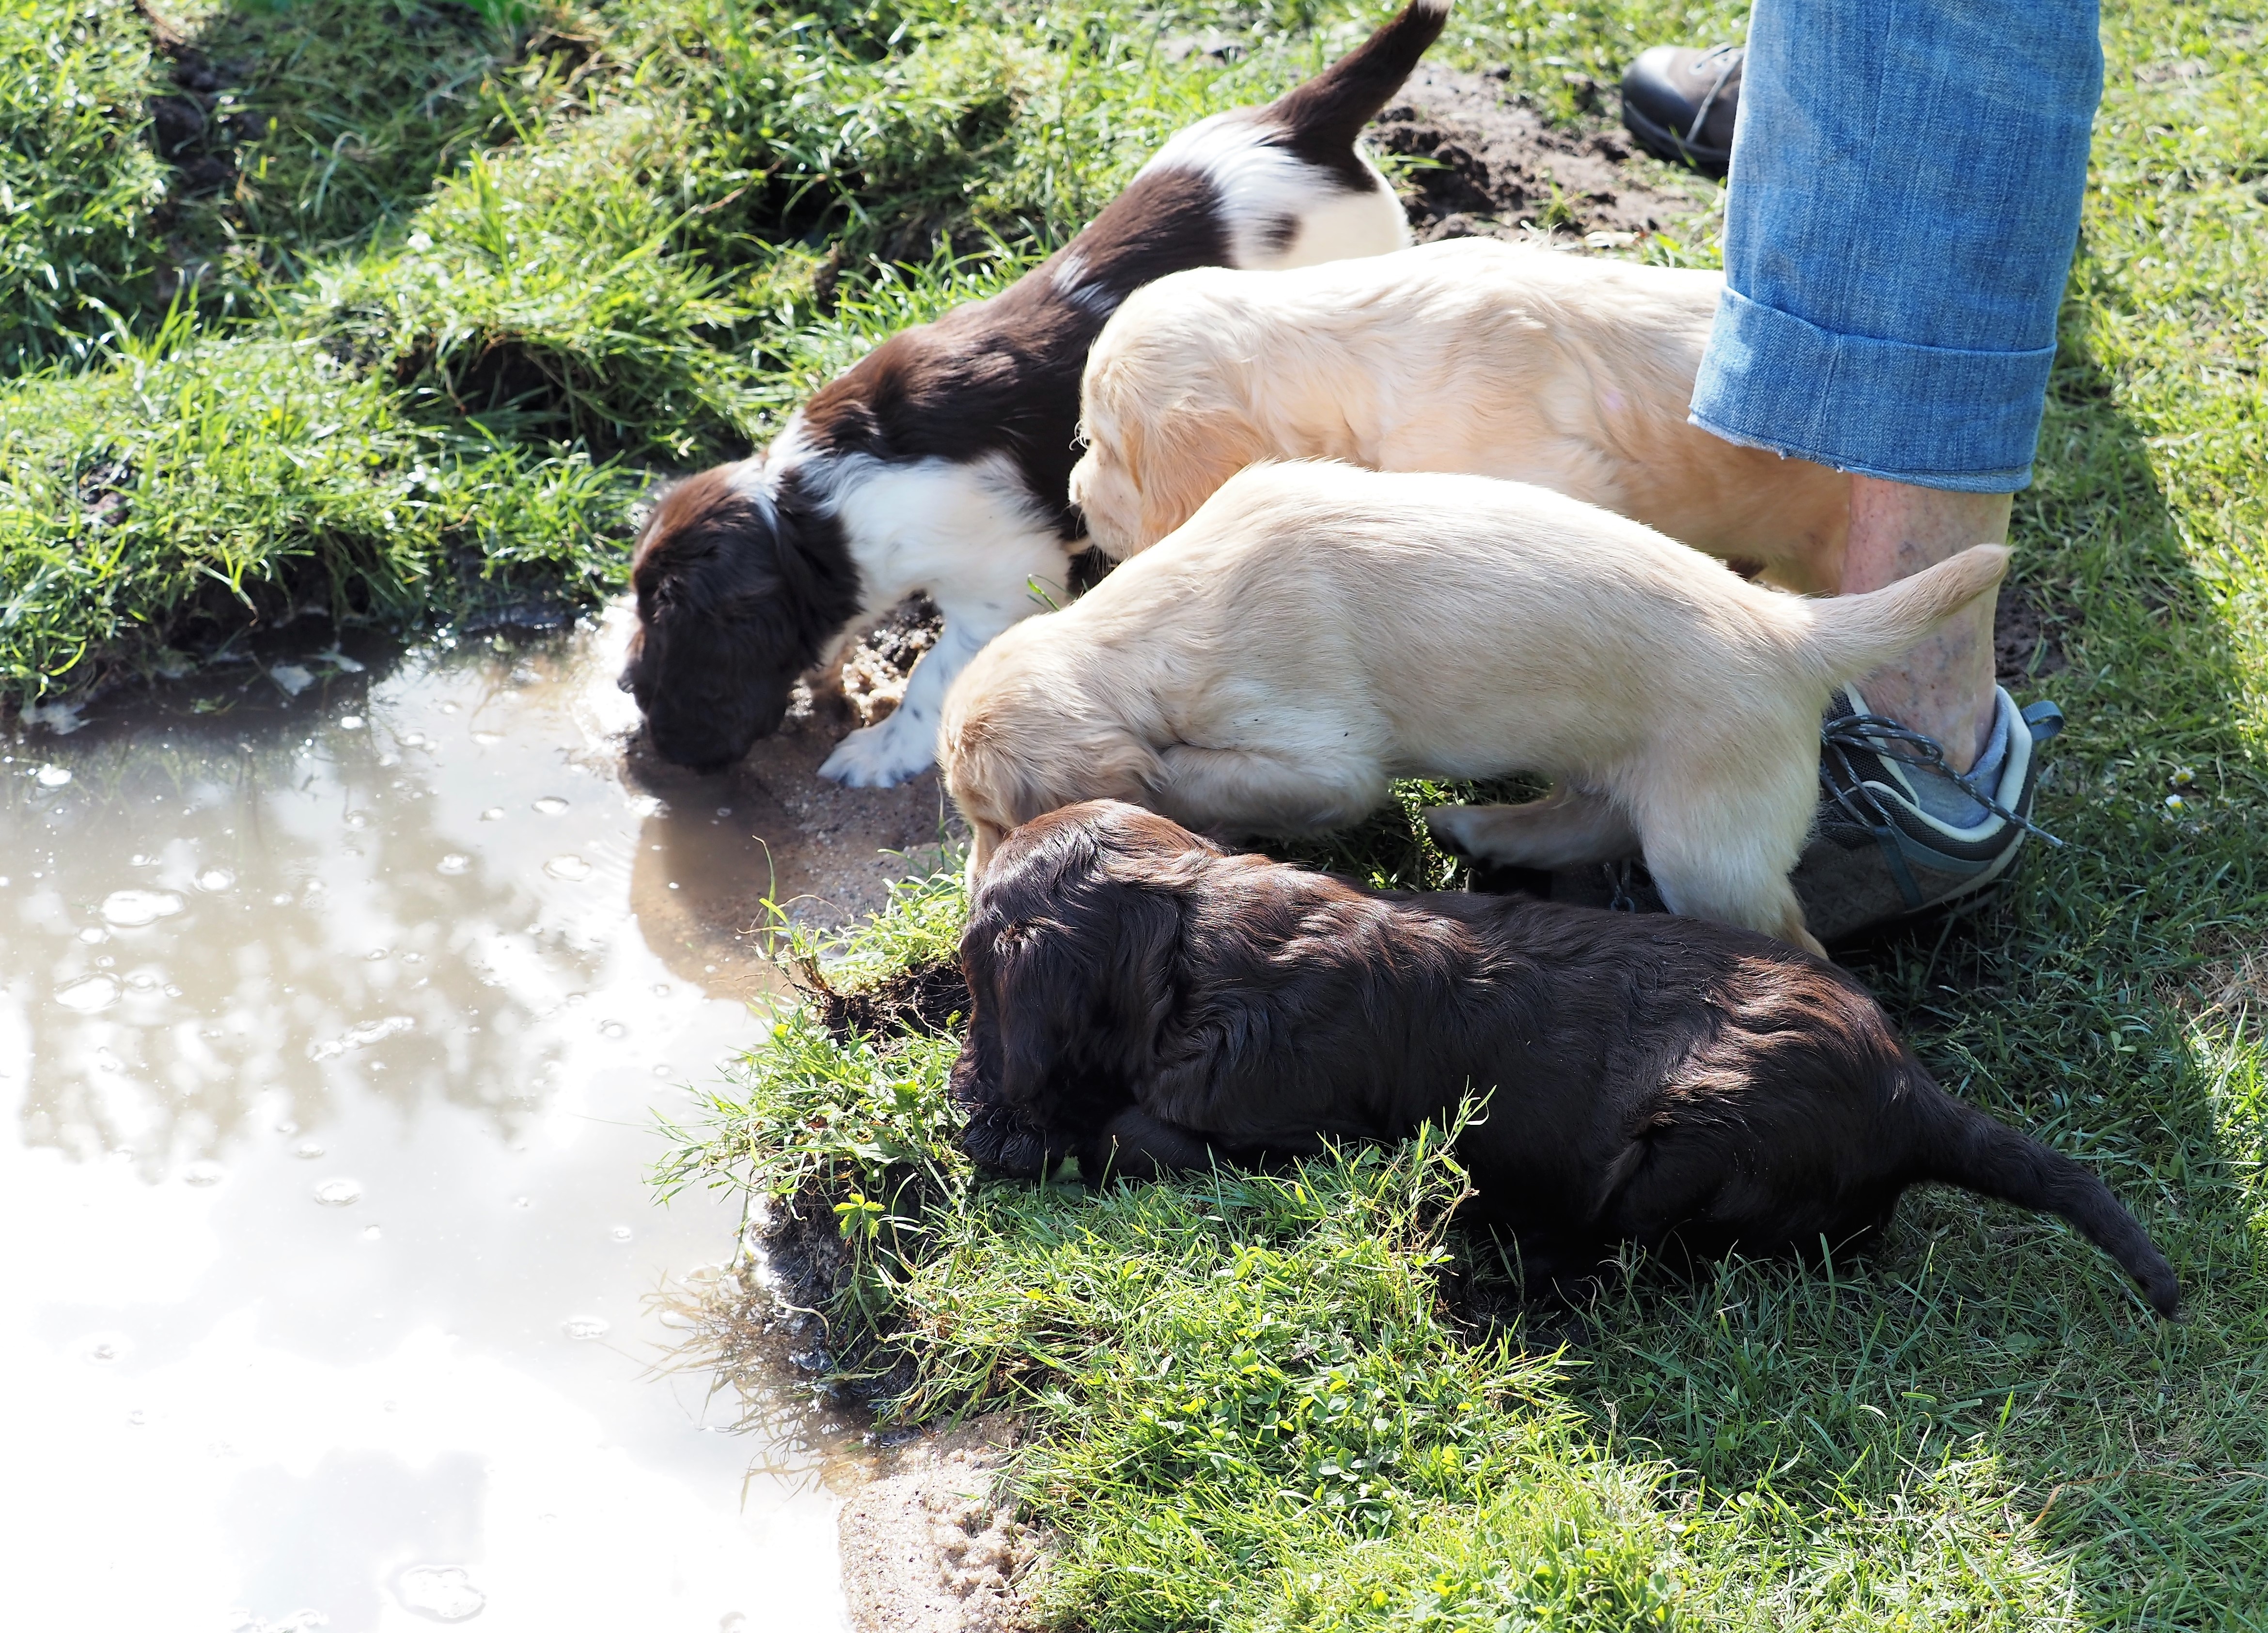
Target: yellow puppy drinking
{"type": "Point", "coordinates": [1316, 630]}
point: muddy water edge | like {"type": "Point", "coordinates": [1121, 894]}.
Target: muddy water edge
{"type": "Point", "coordinates": [337, 997]}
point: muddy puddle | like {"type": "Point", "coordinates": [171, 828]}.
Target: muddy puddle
{"type": "Point", "coordinates": [336, 1006]}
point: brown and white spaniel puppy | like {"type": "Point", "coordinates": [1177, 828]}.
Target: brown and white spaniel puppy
{"type": "Point", "coordinates": [1474, 355]}
{"type": "Point", "coordinates": [1316, 630]}
{"type": "Point", "coordinates": [1147, 1003]}
{"type": "Point", "coordinates": [940, 461]}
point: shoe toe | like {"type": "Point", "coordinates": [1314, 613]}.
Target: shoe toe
{"type": "Point", "coordinates": [1655, 84]}
{"type": "Point", "coordinates": [1667, 86]}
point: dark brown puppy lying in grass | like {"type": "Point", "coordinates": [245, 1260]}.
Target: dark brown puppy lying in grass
{"type": "Point", "coordinates": [1145, 1002]}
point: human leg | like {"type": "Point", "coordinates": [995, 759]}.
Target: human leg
{"type": "Point", "coordinates": [1943, 688]}
{"type": "Point", "coordinates": [1907, 177]}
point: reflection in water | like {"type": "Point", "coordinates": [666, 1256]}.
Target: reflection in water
{"type": "Point", "coordinates": [333, 1016]}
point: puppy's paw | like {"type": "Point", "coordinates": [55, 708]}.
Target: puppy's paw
{"type": "Point", "coordinates": [1470, 831]}
{"type": "Point", "coordinates": [883, 756]}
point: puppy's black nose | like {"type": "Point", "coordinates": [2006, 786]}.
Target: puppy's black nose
{"type": "Point", "coordinates": [625, 681]}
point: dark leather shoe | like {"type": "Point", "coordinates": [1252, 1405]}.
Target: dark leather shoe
{"type": "Point", "coordinates": [1681, 104]}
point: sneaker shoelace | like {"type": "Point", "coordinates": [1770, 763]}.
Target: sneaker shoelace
{"type": "Point", "coordinates": [1887, 739]}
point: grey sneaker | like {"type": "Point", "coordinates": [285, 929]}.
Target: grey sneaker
{"type": "Point", "coordinates": [1875, 855]}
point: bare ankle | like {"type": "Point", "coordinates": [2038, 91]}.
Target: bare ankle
{"type": "Point", "coordinates": [1944, 687]}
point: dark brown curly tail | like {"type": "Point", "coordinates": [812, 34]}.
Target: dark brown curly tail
{"type": "Point", "coordinates": [1965, 1147]}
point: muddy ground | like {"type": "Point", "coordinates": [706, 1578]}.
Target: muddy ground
{"type": "Point", "coordinates": [1492, 163]}
{"type": "Point", "coordinates": [932, 1545]}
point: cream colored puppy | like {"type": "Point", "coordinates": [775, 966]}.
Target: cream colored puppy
{"type": "Point", "coordinates": [1469, 356]}
{"type": "Point", "coordinates": [1316, 630]}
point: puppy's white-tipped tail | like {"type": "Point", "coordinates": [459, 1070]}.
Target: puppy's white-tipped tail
{"type": "Point", "coordinates": [1331, 109]}
{"type": "Point", "coordinates": [1852, 635]}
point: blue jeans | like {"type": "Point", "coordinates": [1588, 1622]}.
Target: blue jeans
{"type": "Point", "coordinates": [1904, 201]}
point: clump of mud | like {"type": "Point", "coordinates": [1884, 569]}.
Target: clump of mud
{"type": "Point", "coordinates": [909, 1003]}
{"type": "Point", "coordinates": [1496, 162]}
{"type": "Point", "coordinates": [875, 669]}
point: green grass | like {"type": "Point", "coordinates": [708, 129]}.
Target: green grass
{"type": "Point", "coordinates": [397, 323]}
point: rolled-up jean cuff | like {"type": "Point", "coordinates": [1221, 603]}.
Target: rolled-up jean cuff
{"type": "Point", "coordinates": [1880, 408]}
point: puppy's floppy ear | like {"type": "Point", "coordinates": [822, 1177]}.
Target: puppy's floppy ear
{"type": "Point", "coordinates": [998, 777]}
{"type": "Point", "coordinates": [1075, 974]}
{"type": "Point", "coordinates": [1180, 459]}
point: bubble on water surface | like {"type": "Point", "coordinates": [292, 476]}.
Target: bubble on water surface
{"type": "Point", "coordinates": [306, 1151]}
{"type": "Point", "coordinates": [375, 954]}
{"type": "Point", "coordinates": [454, 864]}
{"type": "Point", "coordinates": [614, 1029]}
{"type": "Point", "coordinates": [494, 813]}
{"type": "Point", "coordinates": [484, 738]}
{"type": "Point", "coordinates": [439, 1593]}
{"type": "Point", "coordinates": [53, 776]}
{"type": "Point", "coordinates": [413, 739]}
{"type": "Point", "coordinates": [93, 935]}
{"type": "Point", "coordinates": [621, 1233]}
{"type": "Point", "coordinates": [357, 818]}
{"type": "Point", "coordinates": [87, 996]}
{"type": "Point", "coordinates": [135, 1419]}
{"type": "Point", "coordinates": [214, 879]}
{"type": "Point", "coordinates": [203, 1172]}
{"type": "Point", "coordinates": [570, 867]}
{"type": "Point", "coordinates": [339, 1193]}
{"type": "Point", "coordinates": [584, 1327]}
{"type": "Point", "coordinates": [371, 1233]}
{"type": "Point", "coordinates": [350, 723]}
{"type": "Point", "coordinates": [550, 804]}
{"type": "Point", "coordinates": [103, 1350]}
{"type": "Point", "coordinates": [362, 1035]}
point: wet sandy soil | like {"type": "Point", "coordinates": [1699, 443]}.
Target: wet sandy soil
{"type": "Point", "coordinates": [337, 1000]}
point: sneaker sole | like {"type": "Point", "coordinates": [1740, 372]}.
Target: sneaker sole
{"type": "Point", "coordinates": [1662, 142]}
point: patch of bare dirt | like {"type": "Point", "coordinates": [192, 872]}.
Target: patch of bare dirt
{"type": "Point", "coordinates": [933, 1545]}
{"type": "Point", "coordinates": [1496, 162]}
{"type": "Point", "coordinates": [874, 673]}
{"type": "Point", "coordinates": [2027, 645]}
